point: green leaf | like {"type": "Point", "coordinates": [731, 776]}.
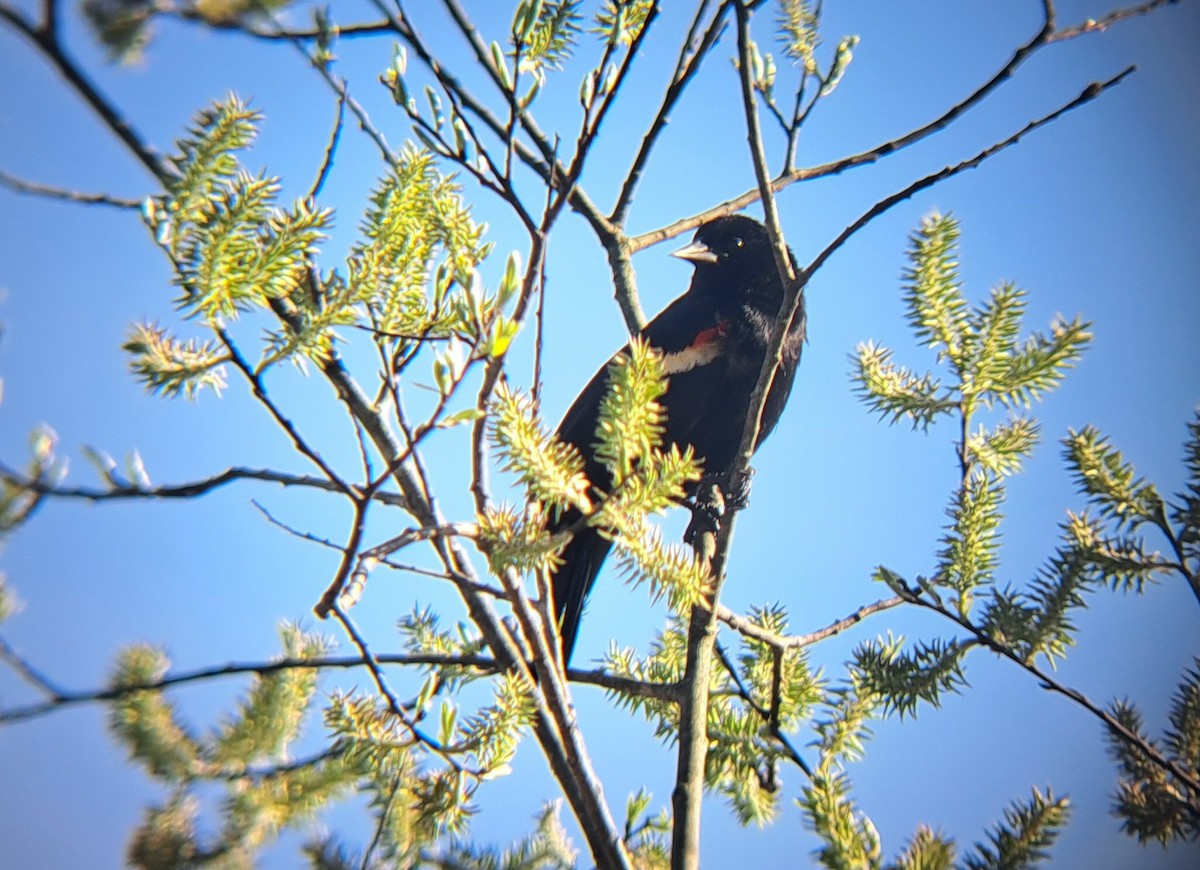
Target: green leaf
{"type": "Point", "coordinates": [631, 418]}
{"type": "Point", "coordinates": [206, 162]}
{"type": "Point", "coordinates": [553, 471]}
{"type": "Point", "coordinates": [1185, 512]}
{"type": "Point", "coordinates": [1121, 561]}
{"type": "Point", "coordinates": [841, 62]}
{"type": "Point", "coordinates": [466, 415]}
{"type": "Point", "coordinates": [1003, 448]}
{"type": "Point", "coordinates": [416, 226]}
{"type": "Point", "coordinates": [937, 309]}
{"type": "Point", "coordinates": [1101, 473]}
{"type": "Point", "coordinates": [904, 678]}
{"type": "Point", "coordinates": [146, 723]}
{"type": "Point", "coordinates": [122, 26]}
{"type": "Point", "coordinates": [269, 717]}
{"type": "Point", "coordinates": [896, 392]}
{"type": "Point", "coordinates": [927, 850]}
{"type": "Point", "coordinates": [850, 840]}
{"type": "Point", "coordinates": [797, 27]}
{"type": "Point", "coordinates": [1024, 838]}
{"type": "Point", "coordinates": [1183, 738]}
{"type": "Point", "coordinates": [9, 603]}
{"type": "Point", "coordinates": [620, 22]}
{"type": "Point", "coordinates": [546, 33]}
{"type": "Point", "coordinates": [972, 542]}
{"type": "Point", "coordinates": [1038, 367]}
{"type": "Point", "coordinates": [668, 569]}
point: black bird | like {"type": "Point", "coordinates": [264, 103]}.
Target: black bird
{"type": "Point", "coordinates": [713, 340]}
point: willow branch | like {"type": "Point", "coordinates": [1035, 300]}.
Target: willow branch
{"type": "Point", "coordinates": [748, 629]}
{"type": "Point", "coordinates": [1045, 35]}
{"type": "Point", "coordinates": [1050, 684]}
{"type": "Point", "coordinates": [31, 188]}
{"type": "Point", "coordinates": [44, 36]}
{"type": "Point", "coordinates": [483, 665]}
{"type": "Point", "coordinates": [1091, 92]}
{"type": "Point", "coordinates": [192, 489]}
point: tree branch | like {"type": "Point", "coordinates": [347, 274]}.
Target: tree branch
{"type": "Point", "coordinates": [58, 697]}
{"type": "Point", "coordinates": [31, 188]}
{"type": "Point", "coordinates": [746, 628]}
{"type": "Point", "coordinates": [1047, 682]}
{"type": "Point", "coordinates": [1089, 93]}
{"type": "Point", "coordinates": [1045, 36]}
{"type": "Point", "coordinates": [184, 490]}
{"type": "Point", "coordinates": [45, 37]}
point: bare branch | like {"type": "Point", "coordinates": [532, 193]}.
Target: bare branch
{"type": "Point", "coordinates": [770, 717]}
{"type": "Point", "coordinates": [184, 490]}
{"type": "Point", "coordinates": [1089, 93]}
{"type": "Point", "coordinates": [690, 59]}
{"type": "Point", "coordinates": [59, 697]}
{"type": "Point", "coordinates": [343, 31]}
{"type": "Point", "coordinates": [749, 629]}
{"type": "Point", "coordinates": [394, 705]}
{"type": "Point", "coordinates": [31, 188]}
{"type": "Point", "coordinates": [1045, 36]}
{"type": "Point", "coordinates": [260, 393]}
{"type": "Point", "coordinates": [45, 37]}
{"type": "Point", "coordinates": [331, 149]}
{"type": "Point", "coordinates": [1096, 25]}
{"type": "Point", "coordinates": [1050, 684]}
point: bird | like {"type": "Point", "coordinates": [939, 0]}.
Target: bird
{"type": "Point", "coordinates": [713, 340]}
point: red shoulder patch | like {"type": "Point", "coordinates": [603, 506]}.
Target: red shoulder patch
{"type": "Point", "coordinates": [705, 348]}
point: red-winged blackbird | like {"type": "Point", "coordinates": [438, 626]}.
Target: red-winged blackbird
{"type": "Point", "coordinates": [713, 340]}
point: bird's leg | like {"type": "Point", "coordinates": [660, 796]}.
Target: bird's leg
{"type": "Point", "coordinates": [716, 494]}
{"type": "Point", "coordinates": [707, 507]}
{"type": "Point", "coordinates": [736, 487]}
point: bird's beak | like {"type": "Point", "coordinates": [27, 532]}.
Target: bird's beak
{"type": "Point", "coordinates": [696, 252]}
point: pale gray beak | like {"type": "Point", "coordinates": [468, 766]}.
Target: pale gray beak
{"type": "Point", "coordinates": [696, 252]}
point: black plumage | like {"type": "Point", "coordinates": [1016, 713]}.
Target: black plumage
{"type": "Point", "coordinates": [713, 339]}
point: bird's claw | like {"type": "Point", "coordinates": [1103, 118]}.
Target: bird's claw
{"type": "Point", "coordinates": [735, 487]}
{"type": "Point", "coordinates": [706, 519]}
{"type": "Point", "coordinates": [709, 508]}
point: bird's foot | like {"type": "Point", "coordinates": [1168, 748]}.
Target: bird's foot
{"type": "Point", "coordinates": [736, 487]}
{"type": "Point", "coordinates": [706, 519]}
{"type": "Point", "coordinates": [716, 495]}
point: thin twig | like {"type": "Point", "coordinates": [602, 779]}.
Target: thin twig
{"type": "Point", "coordinates": [797, 641]}
{"type": "Point", "coordinates": [686, 68]}
{"type": "Point", "coordinates": [183, 490]}
{"type": "Point", "coordinates": [1096, 25]}
{"type": "Point", "coordinates": [335, 137]}
{"type": "Point", "coordinates": [1089, 93]}
{"type": "Point", "coordinates": [28, 672]}
{"type": "Point", "coordinates": [770, 717]}
{"type": "Point", "coordinates": [238, 25]}
{"type": "Point", "coordinates": [393, 702]}
{"type": "Point", "coordinates": [32, 188]}
{"type": "Point", "coordinates": [1050, 684]}
{"type": "Point", "coordinates": [260, 393]}
{"type": "Point", "coordinates": [59, 697]}
{"type": "Point", "coordinates": [1045, 36]}
{"type": "Point", "coordinates": [45, 36]}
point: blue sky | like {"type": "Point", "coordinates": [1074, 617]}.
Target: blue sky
{"type": "Point", "coordinates": [1096, 214]}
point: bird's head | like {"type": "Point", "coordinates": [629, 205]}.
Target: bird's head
{"type": "Point", "coordinates": [734, 252]}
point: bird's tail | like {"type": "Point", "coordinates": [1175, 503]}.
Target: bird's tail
{"type": "Point", "coordinates": [572, 582]}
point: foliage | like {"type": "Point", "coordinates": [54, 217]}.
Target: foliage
{"type": "Point", "coordinates": [645, 480]}
{"type": "Point", "coordinates": [990, 368]}
{"type": "Point", "coordinates": [246, 758]}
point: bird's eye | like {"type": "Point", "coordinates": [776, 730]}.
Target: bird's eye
{"type": "Point", "coordinates": [737, 243]}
